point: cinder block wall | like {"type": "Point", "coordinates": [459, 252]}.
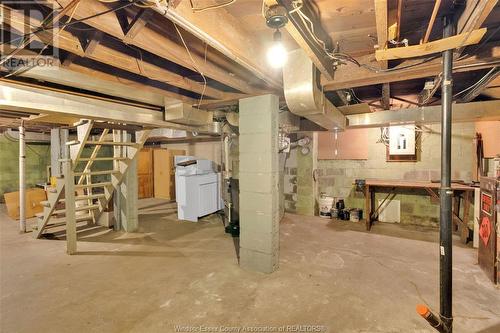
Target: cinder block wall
{"type": "Point", "coordinates": [290, 182]}
{"type": "Point", "coordinates": [337, 176]}
{"type": "Point", "coordinates": [37, 159]}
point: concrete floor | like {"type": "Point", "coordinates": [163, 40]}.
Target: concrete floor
{"type": "Point", "coordinates": [179, 273]}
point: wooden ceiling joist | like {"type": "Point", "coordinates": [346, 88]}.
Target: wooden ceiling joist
{"type": "Point", "coordinates": [154, 42]}
{"type": "Point", "coordinates": [474, 14]}
{"type": "Point", "coordinates": [431, 21]}
{"type": "Point", "coordinates": [137, 24]}
{"type": "Point", "coordinates": [225, 33]}
{"type": "Point", "coordinates": [440, 45]}
{"type": "Point", "coordinates": [473, 17]}
{"type": "Point", "coordinates": [98, 51]}
{"type": "Point", "coordinates": [381, 18]}
{"type": "Point", "coordinates": [351, 75]}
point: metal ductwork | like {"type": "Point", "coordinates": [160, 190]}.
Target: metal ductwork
{"type": "Point", "coordinates": [303, 96]}
{"type": "Point", "coordinates": [185, 114]}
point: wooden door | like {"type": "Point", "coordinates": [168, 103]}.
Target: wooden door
{"type": "Point", "coordinates": [164, 172]}
{"type": "Point", "coordinates": [145, 173]}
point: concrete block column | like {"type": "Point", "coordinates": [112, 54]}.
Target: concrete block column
{"type": "Point", "coordinates": [126, 195]}
{"type": "Point", "coordinates": [259, 183]}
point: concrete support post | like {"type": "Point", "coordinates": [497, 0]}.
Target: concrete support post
{"type": "Point", "coordinates": [22, 179]}
{"type": "Point", "coordinates": [259, 183]}
{"type": "Point", "coordinates": [126, 195]}
{"type": "Point", "coordinates": [129, 196]}
{"type": "Point", "coordinates": [58, 150]}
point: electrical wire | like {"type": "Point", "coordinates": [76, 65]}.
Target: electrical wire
{"type": "Point", "coordinates": [479, 82]}
{"type": "Point", "coordinates": [195, 66]}
{"type": "Point", "coordinates": [202, 9]}
{"type": "Point", "coordinates": [478, 47]}
{"type": "Point", "coordinates": [24, 70]}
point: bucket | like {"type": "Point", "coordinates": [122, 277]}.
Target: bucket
{"type": "Point", "coordinates": [355, 215]}
{"type": "Point", "coordinates": [325, 206]}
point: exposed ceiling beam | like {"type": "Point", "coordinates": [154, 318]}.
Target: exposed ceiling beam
{"type": "Point", "coordinates": [431, 21]}
{"type": "Point", "coordinates": [464, 112]}
{"type": "Point", "coordinates": [394, 20]}
{"type": "Point", "coordinates": [481, 85]}
{"type": "Point", "coordinates": [474, 14]}
{"type": "Point", "coordinates": [155, 42]}
{"type": "Point", "coordinates": [137, 24]}
{"type": "Point", "coordinates": [98, 51]}
{"type": "Point", "coordinates": [226, 34]}
{"type": "Point", "coordinates": [16, 97]}
{"type": "Point", "coordinates": [381, 19]}
{"type": "Point", "coordinates": [493, 89]}
{"type": "Point", "coordinates": [350, 75]}
{"type": "Point", "coordinates": [473, 17]}
{"type": "Point", "coordinates": [73, 75]}
{"type": "Point", "coordinates": [300, 33]}
{"type": "Point", "coordinates": [436, 46]}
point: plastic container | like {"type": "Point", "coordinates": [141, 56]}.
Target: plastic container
{"type": "Point", "coordinates": [354, 215]}
{"type": "Point", "coordinates": [325, 206]}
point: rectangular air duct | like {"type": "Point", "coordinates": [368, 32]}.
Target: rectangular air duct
{"type": "Point", "coordinates": [182, 113]}
{"type": "Point", "coordinates": [302, 95]}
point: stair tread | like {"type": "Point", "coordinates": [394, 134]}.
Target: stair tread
{"type": "Point", "coordinates": [94, 173]}
{"type": "Point", "coordinates": [61, 221]}
{"type": "Point", "coordinates": [111, 143]}
{"type": "Point", "coordinates": [46, 203]}
{"type": "Point", "coordinates": [86, 159]}
{"type": "Point", "coordinates": [94, 185]}
{"type": "Point", "coordinates": [77, 209]}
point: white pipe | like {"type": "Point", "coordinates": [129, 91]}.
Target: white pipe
{"type": "Point", "coordinates": [227, 169]}
{"type": "Point", "coordinates": [22, 180]}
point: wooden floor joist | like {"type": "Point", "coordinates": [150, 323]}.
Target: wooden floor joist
{"type": "Point", "coordinates": [436, 46]}
{"type": "Point", "coordinates": [154, 42]}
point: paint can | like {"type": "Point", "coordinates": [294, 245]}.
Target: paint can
{"type": "Point", "coordinates": [325, 206]}
{"type": "Point", "coordinates": [354, 215]}
{"type": "Point", "coordinates": [335, 213]}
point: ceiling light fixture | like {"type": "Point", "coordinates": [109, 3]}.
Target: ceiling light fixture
{"type": "Point", "coordinates": [275, 19]}
{"type": "Point", "coordinates": [277, 55]}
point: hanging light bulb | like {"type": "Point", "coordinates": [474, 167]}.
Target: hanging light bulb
{"type": "Point", "coordinates": [277, 55]}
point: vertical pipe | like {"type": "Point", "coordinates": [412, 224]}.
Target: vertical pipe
{"type": "Point", "coordinates": [69, 197]}
{"type": "Point", "coordinates": [22, 180]}
{"type": "Point", "coordinates": [445, 240]}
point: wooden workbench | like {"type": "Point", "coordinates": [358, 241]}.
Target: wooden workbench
{"type": "Point", "coordinates": [461, 192]}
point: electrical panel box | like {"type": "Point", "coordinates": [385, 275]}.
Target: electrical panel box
{"type": "Point", "coordinates": [402, 140]}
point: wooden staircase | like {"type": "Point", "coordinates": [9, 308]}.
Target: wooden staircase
{"type": "Point", "coordinates": [88, 198]}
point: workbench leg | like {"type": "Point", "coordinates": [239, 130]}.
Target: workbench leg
{"type": "Point", "coordinates": [367, 207]}
{"type": "Point", "coordinates": [456, 211]}
{"type": "Point", "coordinates": [465, 234]}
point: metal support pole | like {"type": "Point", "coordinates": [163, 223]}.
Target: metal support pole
{"type": "Point", "coordinates": [22, 179]}
{"type": "Point", "coordinates": [445, 223]}
{"type": "Point", "coordinates": [69, 197]}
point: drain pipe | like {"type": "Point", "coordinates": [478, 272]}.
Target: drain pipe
{"type": "Point", "coordinates": [445, 321]}
{"type": "Point", "coordinates": [445, 262]}
{"type": "Point", "coordinates": [22, 179]}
